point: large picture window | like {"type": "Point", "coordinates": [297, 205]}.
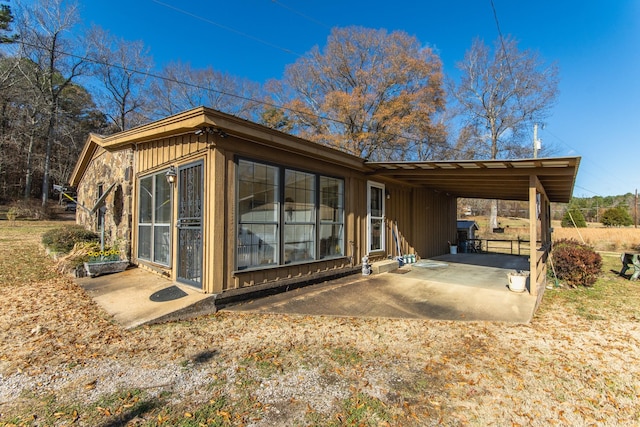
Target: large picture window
{"type": "Point", "coordinates": [375, 199]}
{"type": "Point", "coordinates": [287, 216]}
{"type": "Point", "coordinates": [154, 219]}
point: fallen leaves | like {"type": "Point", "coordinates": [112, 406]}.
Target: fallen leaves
{"type": "Point", "coordinates": [402, 371]}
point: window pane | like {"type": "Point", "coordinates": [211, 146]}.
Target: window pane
{"type": "Point", "coordinates": [161, 244]}
{"type": "Point", "coordinates": [257, 245]}
{"type": "Point", "coordinates": [331, 217]}
{"type": "Point", "coordinates": [162, 200]}
{"type": "Point", "coordinates": [154, 218]}
{"type": "Point", "coordinates": [331, 240]}
{"type": "Point", "coordinates": [299, 196]}
{"type": "Point", "coordinates": [144, 242]}
{"type": "Point", "coordinates": [258, 211]}
{"type": "Point", "coordinates": [257, 192]}
{"type": "Point", "coordinates": [145, 211]}
{"type": "Point", "coordinates": [376, 202]}
{"type": "Point", "coordinates": [331, 199]}
{"type": "Point", "coordinates": [299, 243]}
{"type": "Point", "coordinates": [376, 234]}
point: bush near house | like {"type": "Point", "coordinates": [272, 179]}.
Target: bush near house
{"type": "Point", "coordinates": [576, 264]}
{"type": "Point", "coordinates": [64, 238]}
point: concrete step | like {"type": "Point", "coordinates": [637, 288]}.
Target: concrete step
{"type": "Point", "coordinates": [384, 266]}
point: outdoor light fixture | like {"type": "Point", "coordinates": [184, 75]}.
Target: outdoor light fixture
{"type": "Point", "coordinates": [211, 130]}
{"type": "Point", "coordinates": [171, 175]}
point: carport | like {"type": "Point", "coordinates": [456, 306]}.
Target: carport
{"type": "Point", "coordinates": [538, 181]}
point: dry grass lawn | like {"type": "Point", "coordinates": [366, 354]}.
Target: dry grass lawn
{"type": "Point", "coordinates": [63, 362]}
{"type": "Point", "coordinates": [601, 238]}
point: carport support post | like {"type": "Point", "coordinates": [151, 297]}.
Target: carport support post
{"type": "Point", "coordinates": [533, 235]}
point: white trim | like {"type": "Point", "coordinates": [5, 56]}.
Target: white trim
{"type": "Point", "coordinates": [379, 186]}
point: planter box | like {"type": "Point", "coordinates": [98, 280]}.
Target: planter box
{"type": "Point", "coordinates": [98, 268]}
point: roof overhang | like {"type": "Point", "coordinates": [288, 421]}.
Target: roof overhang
{"type": "Point", "coordinates": [486, 179]}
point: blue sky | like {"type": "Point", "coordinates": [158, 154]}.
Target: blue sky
{"type": "Point", "coordinates": [596, 45]}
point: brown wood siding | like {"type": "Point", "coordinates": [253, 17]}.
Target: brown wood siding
{"type": "Point", "coordinates": [356, 212]}
{"type": "Point", "coordinates": [426, 220]}
{"type": "Point", "coordinates": [299, 272]}
{"type": "Point", "coordinates": [400, 218]}
{"type": "Point", "coordinates": [163, 152]}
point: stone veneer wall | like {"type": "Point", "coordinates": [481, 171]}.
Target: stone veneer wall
{"type": "Point", "coordinates": [106, 168]}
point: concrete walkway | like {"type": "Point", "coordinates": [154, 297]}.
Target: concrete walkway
{"type": "Point", "coordinates": [127, 297]}
{"type": "Point", "coordinates": [450, 287]}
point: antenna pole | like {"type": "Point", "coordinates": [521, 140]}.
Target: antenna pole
{"type": "Point", "coordinates": [536, 141]}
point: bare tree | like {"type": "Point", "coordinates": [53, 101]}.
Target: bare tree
{"type": "Point", "coordinates": [500, 95]}
{"type": "Point", "coordinates": [122, 67]}
{"type": "Point", "coordinates": [368, 92]}
{"type": "Point", "coordinates": [45, 40]}
{"type": "Point", "coordinates": [182, 87]}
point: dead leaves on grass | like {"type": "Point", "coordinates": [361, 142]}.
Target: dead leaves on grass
{"type": "Point", "coordinates": [562, 369]}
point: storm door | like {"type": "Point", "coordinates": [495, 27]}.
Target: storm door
{"type": "Point", "coordinates": [190, 193]}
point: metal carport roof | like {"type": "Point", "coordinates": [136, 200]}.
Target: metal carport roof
{"type": "Point", "coordinates": [487, 179]}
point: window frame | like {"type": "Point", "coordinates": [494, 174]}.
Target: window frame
{"type": "Point", "coordinates": [297, 248]}
{"type": "Point", "coordinates": [370, 218]}
{"type": "Point", "coordinates": [316, 221]}
{"type": "Point", "coordinates": [153, 226]}
{"type": "Point", "coordinates": [275, 222]}
{"type": "Point", "coordinates": [337, 222]}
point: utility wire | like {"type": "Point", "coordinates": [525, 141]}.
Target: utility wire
{"type": "Point", "coordinates": [607, 173]}
{"type": "Point", "coordinates": [220, 92]}
{"type": "Point", "coordinates": [504, 51]}
{"type": "Point", "coordinates": [224, 27]}
{"type": "Point", "coordinates": [290, 9]}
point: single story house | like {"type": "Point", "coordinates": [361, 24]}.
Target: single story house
{"type": "Point", "coordinates": [229, 206]}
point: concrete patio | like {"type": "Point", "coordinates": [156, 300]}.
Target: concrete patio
{"type": "Point", "coordinates": [449, 287]}
{"type": "Point", "coordinates": [470, 287]}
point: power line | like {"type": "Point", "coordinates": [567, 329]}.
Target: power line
{"type": "Point", "coordinates": [598, 166]}
{"type": "Point", "coordinates": [220, 92]}
{"type": "Point", "coordinates": [410, 140]}
{"type": "Point", "coordinates": [224, 27]}
{"type": "Point", "coordinates": [590, 191]}
{"type": "Point", "coordinates": [504, 49]}
{"type": "Point", "coordinates": [290, 9]}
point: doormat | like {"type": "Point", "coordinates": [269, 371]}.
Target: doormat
{"type": "Point", "coordinates": [168, 294]}
{"type": "Point", "coordinates": [400, 271]}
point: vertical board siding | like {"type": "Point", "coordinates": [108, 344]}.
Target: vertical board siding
{"type": "Point", "coordinates": [301, 272]}
{"type": "Point", "coordinates": [425, 220]}
{"type": "Point", "coordinates": [435, 222]}
{"type": "Point", "coordinates": [167, 151]}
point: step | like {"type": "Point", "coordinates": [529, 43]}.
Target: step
{"type": "Point", "coordinates": [384, 266]}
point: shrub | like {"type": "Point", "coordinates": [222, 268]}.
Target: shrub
{"type": "Point", "coordinates": [616, 217]}
{"type": "Point", "coordinates": [64, 238]}
{"type": "Point", "coordinates": [576, 264]}
{"type": "Point", "coordinates": [28, 209]}
{"type": "Point", "coordinates": [577, 216]}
